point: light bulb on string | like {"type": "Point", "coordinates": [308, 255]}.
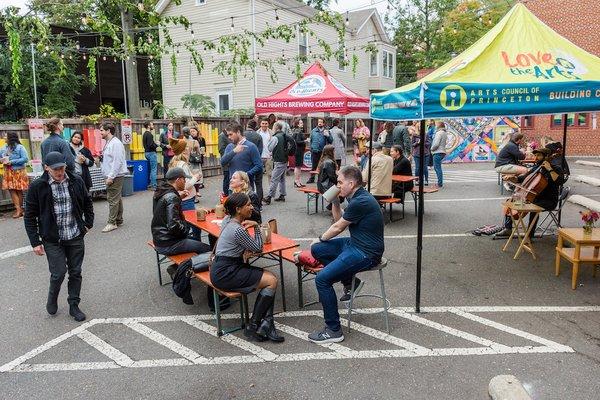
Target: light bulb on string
{"type": "Point", "coordinates": [320, 13]}
{"type": "Point", "coordinates": [128, 58]}
{"type": "Point", "coordinates": [84, 57]}
{"type": "Point", "coordinates": [62, 56]}
{"type": "Point", "coordinates": [133, 62]}
{"type": "Point", "coordinates": [276, 17]}
{"type": "Point", "coordinates": [347, 19]}
{"type": "Point", "coordinates": [232, 26]}
{"type": "Point", "coordinates": [47, 48]}
{"type": "Point", "coordinates": [192, 31]}
{"type": "Point", "coordinates": [77, 45]}
{"type": "Point", "coordinates": [84, 20]}
{"type": "Point", "coordinates": [45, 54]}
{"type": "Point", "coordinates": [103, 58]}
{"type": "Point", "coordinates": [114, 59]}
{"type": "Point", "coordinates": [70, 56]}
{"type": "Point", "coordinates": [490, 21]}
{"type": "Point", "coordinates": [151, 57]}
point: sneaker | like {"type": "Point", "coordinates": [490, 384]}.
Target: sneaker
{"type": "Point", "coordinates": [348, 290]}
{"type": "Point", "coordinates": [326, 335]}
{"type": "Point", "coordinates": [267, 200]}
{"type": "Point", "coordinates": [280, 198]}
{"type": "Point", "coordinates": [109, 227]}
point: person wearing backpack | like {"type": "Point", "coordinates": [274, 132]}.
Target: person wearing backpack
{"type": "Point", "coordinates": [279, 146]}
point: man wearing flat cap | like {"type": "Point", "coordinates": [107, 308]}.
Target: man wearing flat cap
{"type": "Point", "coordinates": [169, 228]}
{"type": "Point", "coordinates": [58, 214]}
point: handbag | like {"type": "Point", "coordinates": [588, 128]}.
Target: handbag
{"type": "Point", "coordinates": [195, 158]}
{"type": "Point", "coordinates": [203, 261]}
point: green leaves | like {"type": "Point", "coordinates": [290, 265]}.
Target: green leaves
{"type": "Point", "coordinates": [203, 105]}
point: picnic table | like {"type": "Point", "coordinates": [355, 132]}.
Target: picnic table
{"type": "Point", "coordinates": [271, 251]}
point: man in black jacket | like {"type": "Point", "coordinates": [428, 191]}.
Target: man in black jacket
{"type": "Point", "coordinates": [58, 214]}
{"type": "Point", "coordinates": [169, 228]}
{"type": "Point", "coordinates": [150, 147]}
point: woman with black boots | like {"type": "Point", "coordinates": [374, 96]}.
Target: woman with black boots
{"type": "Point", "coordinates": [230, 270]}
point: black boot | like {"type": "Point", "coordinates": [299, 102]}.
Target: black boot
{"type": "Point", "coordinates": [261, 307]}
{"type": "Point", "coordinates": [76, 313]}
{"type": "Point", "coordinates": [267, 327]}
{"type": "Point", "coordinates": [53, 292]}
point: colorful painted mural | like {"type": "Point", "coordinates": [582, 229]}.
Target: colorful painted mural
{"type": "Point", "coordinates": [477, 139]}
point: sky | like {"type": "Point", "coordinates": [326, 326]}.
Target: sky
{"type": "Point", "coordinates": [340, 5]}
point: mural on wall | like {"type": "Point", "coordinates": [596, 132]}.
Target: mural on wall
{"type": "Point", "coordinates": [477, 139]}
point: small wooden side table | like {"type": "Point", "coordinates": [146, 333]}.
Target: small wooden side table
{"type": "Point", "coordinates": [519, 224]}
{"type": "Point", "coordinates": [587, 249]}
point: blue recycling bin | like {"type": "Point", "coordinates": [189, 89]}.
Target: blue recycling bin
{"type": "Point", "coordinates": [141, 174]}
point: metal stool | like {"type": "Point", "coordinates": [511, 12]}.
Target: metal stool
{"type": "Point", "coordinates": [379, 267]}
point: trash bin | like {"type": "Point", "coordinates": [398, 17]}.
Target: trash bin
{"type": "Point", "coordinates": [141, 175]}
{"type": "Point", "coordinates": [127, 186]}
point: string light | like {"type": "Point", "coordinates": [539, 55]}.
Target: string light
{"type": "Point", "coordinates": [77, 45]}
{"type": "Point", "coordinates": [103, 58]}
{"type": "Point", "coordinates": [84, 57]}
{"type": "Point", "coordinates": [133, 62]}
{"type": "Point", "coordinates": [276, 17]}
{"type": "Point", "coordinates": [70, 56]}
{"type": "Point", "coordinates": [84, 20]}
{"type": "Point", "coordinates": [62, 56]}
{"type": "Point", "coordinates": [347, 19]}
{"type": "Point", "coordinates": [45, 54]}
{"type": "Point", "coordinates": [114, 59]}
{"type": "Point", "coordinates": [192, 31]}
{"type": "Point", "coordinates": [47, 48]}
{"type": "Point", "coordinates": [232, 26]}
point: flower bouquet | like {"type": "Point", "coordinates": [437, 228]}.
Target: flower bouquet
{"type": "Point", "coordinates": [589, 218]}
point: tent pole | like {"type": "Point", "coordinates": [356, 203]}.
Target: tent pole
{"type": "Point", "coordinates": [370, 153]}
{"type": "Point", "coordinates": [563, 161]}
{"type": "Point", "coordinates": [420, 215]}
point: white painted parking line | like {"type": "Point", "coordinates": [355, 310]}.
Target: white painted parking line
{"type": "Point", "coordinates": [449, 330]}
{"type": "Point", "coordinates": [172, 345]}
{"type": "Point", "coordinates": [116, 355]}
{"type": "Point", "coordinates": [15, 252]}
{"type": "Point", "coordinates": [391, 346]}
{"type": "Point", "coordinates": [439, 235]}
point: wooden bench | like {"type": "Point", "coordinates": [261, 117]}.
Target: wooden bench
{"type": "Point", "coordinates": [204, 277]}
{"type": "Point", "coordinates": [175, 259]}
{"type": "Point", "coordinates": [391, 201]}
{"type": "Point", "coordinates": [415, 194]}
{"type": "Point", "coordinates": [312, 193]}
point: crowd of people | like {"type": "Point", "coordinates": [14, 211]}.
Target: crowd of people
{"type": "Point", "coordinates": [59, 211]}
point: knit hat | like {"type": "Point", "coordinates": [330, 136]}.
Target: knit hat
{"type": "Point", "coordinates": [177, 145]}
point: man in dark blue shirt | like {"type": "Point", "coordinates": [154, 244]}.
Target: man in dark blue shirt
{"type": "Point", "coordinates": [344, 257]}
{"type": "Point", "coordinates": [241, 154]}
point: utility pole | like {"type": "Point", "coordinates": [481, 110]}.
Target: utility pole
{"type": "Point", "coordinates": [131, 76]}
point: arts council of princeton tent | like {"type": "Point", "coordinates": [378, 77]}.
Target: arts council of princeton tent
{"type": "Point", "coordinates": [520, 67]}
{"type": "Point", "coordinates": [316, 91]}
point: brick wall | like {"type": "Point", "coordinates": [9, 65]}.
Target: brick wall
{"type": "Point", "coordinates": [578, 22]}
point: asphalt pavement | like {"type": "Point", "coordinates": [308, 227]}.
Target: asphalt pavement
{"type": "Point", "coordinates": [484, 314]}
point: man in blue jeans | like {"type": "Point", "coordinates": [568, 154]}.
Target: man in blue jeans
{"type": "Point", "coordinates": [344, 257]}
{"type": "Point", "coordinates": [150, 147]}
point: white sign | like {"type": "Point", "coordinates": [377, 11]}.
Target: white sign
{"type": "Point", "coordinates": [308, 86]}
{"type": "Point", "coordinates": [126, 131]}
{"type": "Point", "coordinates": [36, 130]}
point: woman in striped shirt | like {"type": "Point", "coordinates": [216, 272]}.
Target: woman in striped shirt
{"type": "Point", "coordinates": [231, 272]}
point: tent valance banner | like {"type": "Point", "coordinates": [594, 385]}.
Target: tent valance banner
{"type": "Point", "coordinates": [316, 91]}
{"type": "Point", "coordinates": [520, 67]}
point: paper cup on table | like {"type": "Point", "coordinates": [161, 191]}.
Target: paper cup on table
{"type": "Point", "coordinates": [201, 214]}
{"type": "Point", "coordinates": [331, 194]}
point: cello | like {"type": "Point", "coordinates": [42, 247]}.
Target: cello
{"type": "Point", "coordinates": [531, 186]}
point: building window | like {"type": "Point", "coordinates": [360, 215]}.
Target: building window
{"type": "Point", "coordinates": [388, 64]}
{"type": "Point", "coordinates": [200, 2]}
{"type": "Point", "coordinates": [580, 120]}
{"type": "Point", "coordinates": [302, 44]}
{"type": "Point", "coordinates": [527, 122]}
{"type": "Point", "coordinates": [342, 58]}
{"type": "Point", "coordinates": [224, 101]}
{"type": "Point", "coordinates": [374, 68]}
